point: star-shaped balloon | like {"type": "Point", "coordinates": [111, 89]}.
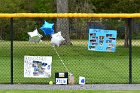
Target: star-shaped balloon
{"type": "Point", "coordinates": [56, 39]}
{"type": "Point", "coordinates": [48, 28]}
{"type": "Point", "coordinates": [35, 36]}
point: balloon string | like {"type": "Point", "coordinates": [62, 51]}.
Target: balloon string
{"type": "Point", "coordinates": [60, 59]}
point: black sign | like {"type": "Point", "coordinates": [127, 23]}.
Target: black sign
{"type": "Point", "coordinates": [61, 78]}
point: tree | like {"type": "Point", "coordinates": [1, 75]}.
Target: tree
{"type": "Point", "coordinates": [126, 44]}
{"type": "Point", "coordinates": [79, 25]}
{"type": "Point", "coordinates": [62, 24]}
{"type": "Point", "coordinates": [23, 6]}
{"type": "Point", "coordinates": [118, 6]}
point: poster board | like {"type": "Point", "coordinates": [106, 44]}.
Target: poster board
{"type": "Point", "coordinates": [102, 40]}
{"type": "Point", "coordinates": [37, 66]}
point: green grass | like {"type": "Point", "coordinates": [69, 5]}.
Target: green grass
{"type": "Point", "coordinates": [97, 67]}
{"type": "Point", "coordinates": [68, 91]}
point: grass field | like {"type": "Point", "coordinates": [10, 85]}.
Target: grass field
{"type": "Point", "coordinates": [68, 91]}
{"type": "Point", "coordinates": [97, 67]}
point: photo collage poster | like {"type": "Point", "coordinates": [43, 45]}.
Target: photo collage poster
{"type": "Point", "coordinates": [102, 40]}
{"type": "Point", "coordinates": [37, 66]}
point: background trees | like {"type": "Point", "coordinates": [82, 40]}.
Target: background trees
{"type": "Point", "coordinates": [72, 27]}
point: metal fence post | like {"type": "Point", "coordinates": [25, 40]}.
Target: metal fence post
{"type": "Point", "coordinates": [11, 48]}
{"type": "Point", "coordinates": [130, 25]}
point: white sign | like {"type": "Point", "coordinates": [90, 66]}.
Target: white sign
{"type": "Point", "coordinates": [61, 80]}
{"type": "Point", "coordinates": [81, 80]}
{"type": "Point", "coordinates": [37, 66]}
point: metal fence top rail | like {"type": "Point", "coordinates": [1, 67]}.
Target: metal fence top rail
{"type": "Point", "coordinates": [69, 15]}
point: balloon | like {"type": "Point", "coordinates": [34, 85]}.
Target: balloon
{"type": "Point", "coordinates": [35, 36]}
{"type": "Point", "coordinates": [34, 33]}
{"type": "Point", "coordinates": [48, 28]}
{"type": "Point", "coordinates": [56, 39]}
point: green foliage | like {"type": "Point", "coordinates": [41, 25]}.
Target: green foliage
{"type": "Point", "coordinates": [49, 6]}
{"type": "Point", "coordinates": [103, 5]}
{"type": "Point", "coordinates": [22, 26]}
{"type": "Point", "coordinates": [116, 6]}
{"type": "Point", "coordinates": [45, 6]}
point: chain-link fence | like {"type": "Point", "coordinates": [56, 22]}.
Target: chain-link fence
{"type": "Point", "coordinates": [95, 66]}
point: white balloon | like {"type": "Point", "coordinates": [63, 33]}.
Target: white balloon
{"type": "Point", "coordinates": [35, 36]}
{"type": "Point", "coordinates": [56, 39]}
{"type": "Point", "coordinates": [34, 33]}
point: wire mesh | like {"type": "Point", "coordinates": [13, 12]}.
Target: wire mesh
{"type": "Point", "coordinates": [96, 67]}
{"type": "Point", "coordinates": [4, 52]}
{"type": "Point", "coordinates": [136, 51]}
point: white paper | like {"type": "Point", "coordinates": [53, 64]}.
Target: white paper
{"type": "Point", "coordinates": [37, 66]}
{"type": "Point", "coordinates": [81, 80]}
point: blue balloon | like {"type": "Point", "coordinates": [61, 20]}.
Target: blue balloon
{"type": "Point", "coordinates": [48, 28]}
